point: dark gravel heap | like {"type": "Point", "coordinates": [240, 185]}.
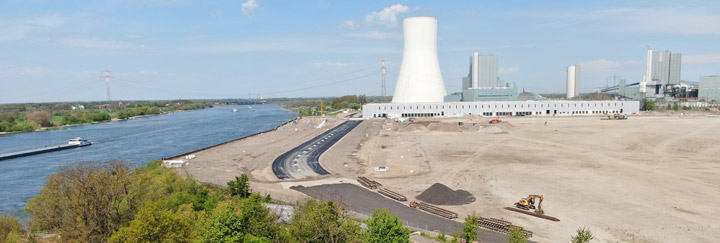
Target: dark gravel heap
{"type": "Point", "coordinates": [440, 194]}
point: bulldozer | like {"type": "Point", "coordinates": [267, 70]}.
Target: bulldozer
{"type": "Point", "coordinates": [495, 120]}
{"type": "Point", "coordinates": [615, 117]}
{"type": "Point", "coordinates": [529, 203]}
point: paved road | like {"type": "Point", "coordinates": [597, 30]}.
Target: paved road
{"type": "Point", "coordinates": [302, 161]}
{"type": "Point", "coordinates": [364, 201]}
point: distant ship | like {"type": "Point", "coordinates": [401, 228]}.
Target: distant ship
{"type": "Point", "coordinates": [234, 109]}
{"type": "Point", "coordinates": [72, 143]}
{"type": "Point", "coordinates": [250, 108]}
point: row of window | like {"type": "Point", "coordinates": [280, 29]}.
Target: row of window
{"type": "Point", "coordinates": [496, 106]}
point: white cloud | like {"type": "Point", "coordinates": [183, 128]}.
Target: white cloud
{"type": "Point", "coordinates": [388, 16]}
{"type": "Point", "coordinates": [508, 70]}
{"type": "Point", "coordinates": [465, 13]}
{"type": "Point", "coordinates": [101, 44]}
{"type": "Point", "coordinates": [319, 44]}
{"type": "Point", "coordinates": [249, 6]}
{"type": "Point", "coordinates": [331, 64]}
{"type": "Point", "coordinates": [143, 72]}
{"type": "Point", "coordinates": [350, 24]}
{"type": "Point", "coordinates": [18, 29]}
{"type": "Point", "coordinates": [15, 71]}
{"type": "Point", "coordinates": [598, 66]}
{"type": "Point", "coordinates": [710, 58]}
{"type": "Point", "coordinates": [376, 35]}
{"type": "Point", "coordinates": [218, 14]}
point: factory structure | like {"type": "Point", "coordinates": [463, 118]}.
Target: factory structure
{"type": "Point", "coordinates": [420, 90]}
{"type": "Point", "coordinates": [482, 82]}
{"type": "Point", "coordinates": [573, 81]}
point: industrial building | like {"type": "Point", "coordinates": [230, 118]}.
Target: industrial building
{"type": "Point", "coordinates": [420, 90]}
{"type": "Point", "coordinates": [500, 108]}
{"type": "Point", "coordinates": [482, 82]}
{"type": "Point", "coordinates": [662, 74]}
{"type": "Point", "coordinates": [573, 81]}
{"type": "Point", "coordinates": [709, 88]}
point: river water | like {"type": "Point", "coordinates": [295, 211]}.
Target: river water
{"type": "Point", "coordinates": [137, 141]}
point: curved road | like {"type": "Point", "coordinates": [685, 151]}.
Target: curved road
{"type": "Point", "coordinates": [302, 161]}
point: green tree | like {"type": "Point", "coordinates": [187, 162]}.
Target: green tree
{"type": "Point", "coordinates": [517, 236]}
{"type": "Point", "coordinates": [470, 227]}
{"type": "Point", "coordinates": [315, 221]}
{"type": "Point", "coordinates": [647, 105]}
{"type": "Point", "coordinates": [10, 229]}
{"type": "Point", "coordinates": [240, 186]}
{"type": "Point", "coordinates": [245, 220]}
{"type": "Point", "coordinates": [583, 236]}
{"type": "Point", "coordinates": [442, 237]}
{"type": "Point", "coordinates": [155, 223]}
{"type": "Point", "coordinates": [383, 227]}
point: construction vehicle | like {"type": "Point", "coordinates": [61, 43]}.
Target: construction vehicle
{"type": "Point", "coordinates": [529, 203]}
{"type": "Point", "coordinates": [496, 120]}
{"type": "Point", "coordinates": [615, 117]}
{"type": "Point", "coordinates": [413, 204]}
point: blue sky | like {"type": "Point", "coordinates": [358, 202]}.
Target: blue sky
{"type": "Point", "coordinates": [167, 49]}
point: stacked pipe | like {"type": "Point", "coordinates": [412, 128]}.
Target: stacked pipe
{"type": "Point", "coordinates": [436, 210]}
{"type": "Point", "coordinates": [501, 226]}
{"type": "Point", "coordinates": [392, 194]}
{"type": "Point", "coordinates": [368, 183]}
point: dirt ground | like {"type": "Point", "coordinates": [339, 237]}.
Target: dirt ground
{"type": "Point", "coordinates": [651, 178]}
{"type": "Point", "coordinates": [646, 179]}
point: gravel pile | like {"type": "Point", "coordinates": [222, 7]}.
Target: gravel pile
{"type": "Point", "coordinates": [440, 194]}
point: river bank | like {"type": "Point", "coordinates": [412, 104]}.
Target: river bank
{"type": "Point", "coordinates": [136, 141]}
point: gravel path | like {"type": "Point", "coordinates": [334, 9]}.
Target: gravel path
{"type": "Point", "coordinates": [363, 201]}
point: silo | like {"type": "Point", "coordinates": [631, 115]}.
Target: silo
{"type": "Point", "coordinates": [571, 81]}
{"type": "Point", "coordinates": [420, 79]}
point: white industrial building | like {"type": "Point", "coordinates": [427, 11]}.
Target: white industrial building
{"type": "Point", "coordinates": [501, 108]}
{"type": "Point", "coordinates": [420, 89]}
{"type": "Point", "coordinates": [420, 79]}
{"type": "Point", "coordinates": [573, 81]}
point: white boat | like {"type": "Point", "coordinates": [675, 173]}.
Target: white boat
{"type": "Point", "coordinates": [79, 141]}
{"type": "Point", "coordinates": [250, 108]}
{"type": "Point", "coordinates": [234, 109]}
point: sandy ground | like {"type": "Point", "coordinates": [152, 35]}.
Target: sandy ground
{"type": "Point", "coordinates": [652, 178]}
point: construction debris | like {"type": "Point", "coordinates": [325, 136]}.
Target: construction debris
{"type": "Point", "coordinates": [533, 214]}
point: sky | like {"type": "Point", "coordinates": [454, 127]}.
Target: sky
{"type": "Point", "coordinates": [184, 49]}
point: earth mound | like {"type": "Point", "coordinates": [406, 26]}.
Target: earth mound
{"type": "Point", "coordinates": [440, 194]}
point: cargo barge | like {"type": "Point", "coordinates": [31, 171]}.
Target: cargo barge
{"type": "Point", "coordinates": [72, 143]}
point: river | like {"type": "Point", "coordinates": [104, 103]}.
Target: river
{"type": "Point", "coordinates": [137, 141]}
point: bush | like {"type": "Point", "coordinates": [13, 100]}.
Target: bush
{"type": "Point", "coordinates": [583, 236]}
{"type": "Point", "coordinates": [315, 221]}
{"type": "Point", "coordinates": [470, 227]}
{"type": "Point", "coordinates": [10, 228]}
{"type": "Point", "coordinates": [155, 223]}
{"type": "Point", "coordinates": [383, 227]}
{"type": "Point", "coordinates": [517, 236]}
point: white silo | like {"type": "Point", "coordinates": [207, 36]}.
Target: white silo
{"type": "Point", "coordinates": [420, 79]}
{"type": "Point", "coordinates": [573, 81]}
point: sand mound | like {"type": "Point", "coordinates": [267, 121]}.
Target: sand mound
{"type": "Point", "coordinates": [444, 127]}
{"type": "Point", "coordinates": [440, 194]}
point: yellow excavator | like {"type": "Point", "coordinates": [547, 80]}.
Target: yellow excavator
{"type": "Point", "coordinates": [529, 203]}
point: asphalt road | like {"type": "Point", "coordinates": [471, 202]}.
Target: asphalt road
{"type": "Point", "coordinates": [364, 201]}
{"type": "Point", "coordinates": [302, 161]}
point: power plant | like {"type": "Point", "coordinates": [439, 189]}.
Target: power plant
{"type": "Point", "coordinates": [420, 79]}
{"type": "Point", "coordinates": [420, 90]}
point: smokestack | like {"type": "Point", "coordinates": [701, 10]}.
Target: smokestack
{"type": "Point", "coordinates": [420, 79]}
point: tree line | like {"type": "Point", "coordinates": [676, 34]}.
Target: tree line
{"type": "Point", "coordinates": [31, 117]}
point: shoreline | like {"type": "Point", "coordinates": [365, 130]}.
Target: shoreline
{"type": "Point", "coordinates": [61, 127]}
{"type": "Point", "coordinates": [232, 140]}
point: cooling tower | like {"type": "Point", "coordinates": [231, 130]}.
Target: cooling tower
{"type": "Point", "coordinates": [419, 79]}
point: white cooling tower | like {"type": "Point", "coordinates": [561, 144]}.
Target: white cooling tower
{"type": "Point", "coordinates": [419, 79]}
{"type": "Point", "coordinates": [573, 81]}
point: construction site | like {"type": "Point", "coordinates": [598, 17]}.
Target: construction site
{"type": "Point", "coordinates": [645, 178]}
